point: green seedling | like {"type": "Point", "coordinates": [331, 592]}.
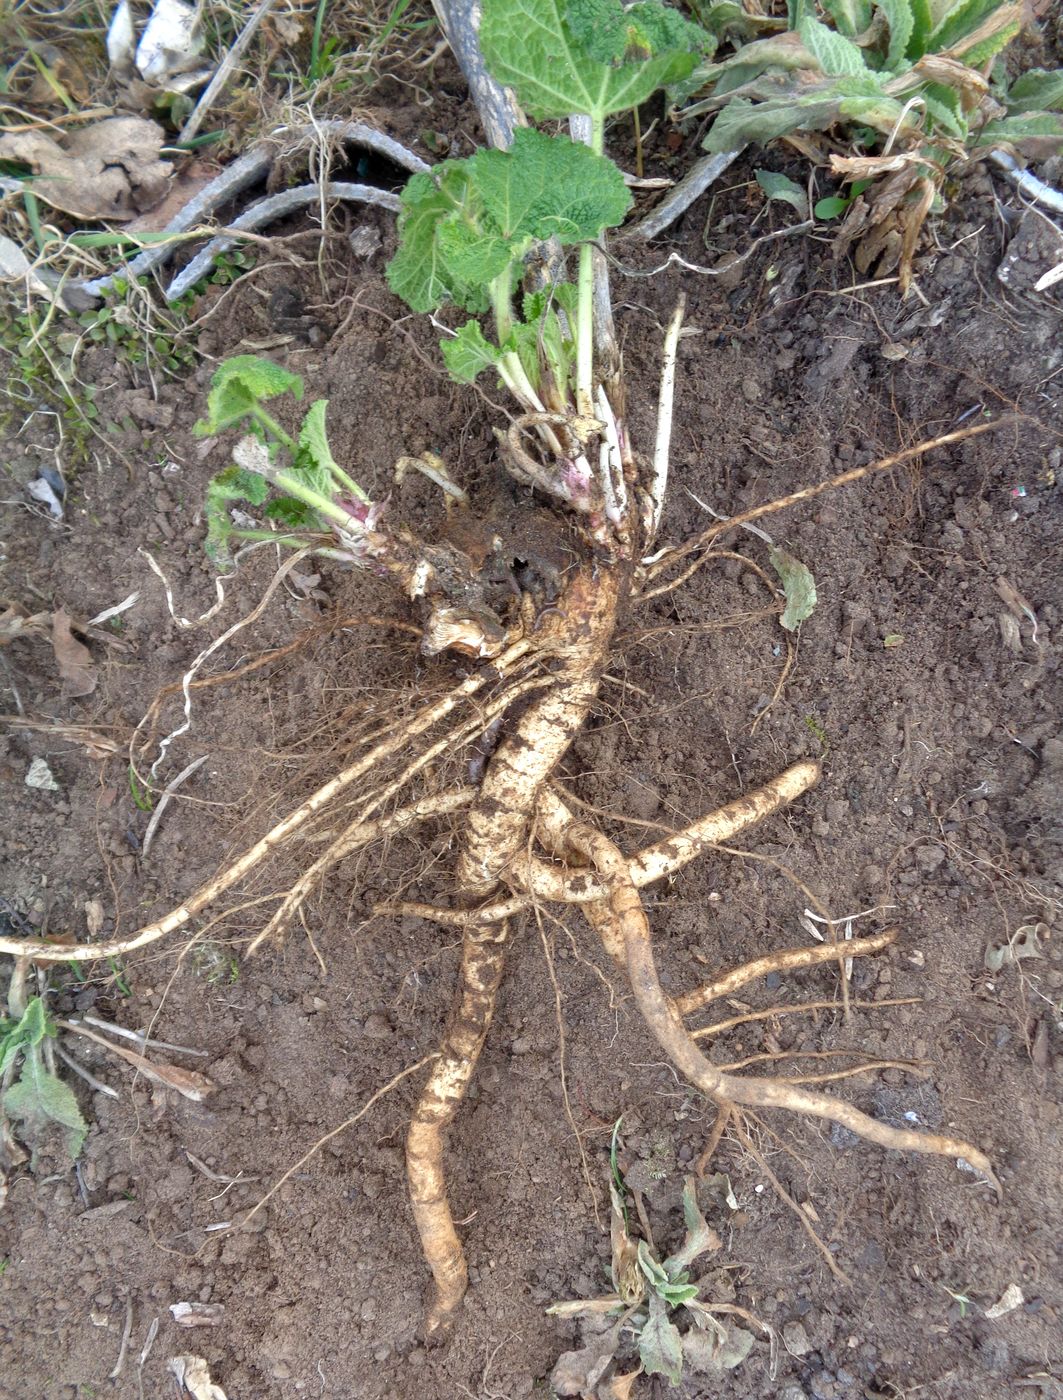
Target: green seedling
{"type": "Point", "coordinates": [650, 1298]}
{"type": "Point", "coordinates": [37, 1097]}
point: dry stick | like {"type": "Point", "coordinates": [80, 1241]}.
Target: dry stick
{"type": "Point", "coordinates": [665, 858]}
{"type": "Point", "coordinates": [483, 957]}
{"type": "Point", "coordinates": [784, 960]}
{"type": "Point", "coordinates": [348, 1123]}
{"type": "Point", "coordinates": [809, 492]}
{"type": "Point", "coordinates": [718, 1027]}
{"type": "Point", "coordinates": [625, 906]}
{"type": "Point", "coordinates": [206, 894]}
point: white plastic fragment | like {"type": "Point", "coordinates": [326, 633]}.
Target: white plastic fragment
{"type": "Point", "coordinates": [193, 1374]}
{"type": "Point", "coordinates": [171, 43]}
{"type": "Point", "coordinates": [1012, 1298]}
{"type": "Point", "coordinates": [121, 39]}
{"type": "Point", "coordinates": [40, 777]}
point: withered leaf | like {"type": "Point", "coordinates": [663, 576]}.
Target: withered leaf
{"type": "Point", "coordinates": [73, 657]}
{"type": "Point", "coordinates": [108, 170]}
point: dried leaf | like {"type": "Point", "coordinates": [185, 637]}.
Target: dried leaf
{"type": "Point", "coordinates": [578, 1372]}
{"type": "Point", "coordinates": [193, 1373]}
{"type": "Point", "coordinates": [94, 917]}
{"type": "Point", "coordinates": [618, 1387]}
{"type": "Point", "coordinates": [40, 777]}
{"type": "Point", "coordinates": [73, 657]}
{"type": "Point", "coordinates": [16, 622]}
{"type": "Point", "coordinates": [721, 1352]}
{"type": "Point", "coordinates": [660, 1345]}
{"type": "Point", "coordinates": [107, 170]}
{"type": "Point", "coordinates": [798, 585]}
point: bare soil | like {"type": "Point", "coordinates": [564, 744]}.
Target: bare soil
{"type": "Point", "coordinates": [938, 726]}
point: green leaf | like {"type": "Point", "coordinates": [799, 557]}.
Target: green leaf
{"type": "Point", "coordinates": [851, 17]}
{"type": "Point", "coordinates": [1037, 91]}
{"type": "Point", "coordinates": [834, 53]}
{"type": "Point", "coordinates": [660, 1345]}
{"type": "Point", "coordinates": [676, 1294]}
{"type": "Point", "coordinates": [923, 22]}
{"type": "Point", "coordinates": [653, 1270]}
{"type": "Point", "coordinates": [901, 21]}
{"type": "Point", "coordinates": [959, 20]}
{"type": "Point", "coordinates": [1012, 130]}
{"type": "Point", "coordinates": [16, 1037]}
{"type": "Point", "coordinates": [698, 1239]}
{"type": "Point", "coordinates": [978, 55]}
{"type": "Point", "coordinates": [742, 122]}
{"type": "Point", "coordinates": [781, 187]}
{"type": "Point", "coordinates": [296, 515]}
{"type": "Point", "coordinates": [468, 353]}
{"type": "Point", "coordinates": [798, 585]}
{"type": "Point", "coordinates": [239, 384]}
{"type": "Point", "coordinates": [831, 207]}
{"type": "Point", "coordinates": [39, 1098]}
{"type": "Point", "coordinates": [556, 67]}
{"type": "Point", "coordinates": [418, 273]}
{"type": "Point", "coordinates": [549, 186]}
{"type": "Point", "coordinates": [233, 484]}
{"type": "Point", "coordinates": [945, 107]}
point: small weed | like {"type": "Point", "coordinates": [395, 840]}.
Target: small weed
{"type": "Point", "coordinates": [120, 982]}
{"type": "Point", "coordinates": [216, 964]}
{"type": "Point", "coordinates": [141, 800]}
{"type": "Point", "coordinates": [817, 731]}
{"type": "Point", "coordinates": [37, 1097]}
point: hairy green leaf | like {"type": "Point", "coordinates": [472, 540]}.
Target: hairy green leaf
{"type": "Point", "coordinates": [798, 585]}
{"type": "Point", "coordinates": [556, 65]}
{"type": "Point", "coordinates": [16, 1037]}
{"type": "Point", "coordinates": [468, 353]}
{"type": "Point", "coordinates": [778, 51]}
{"type": "Point", "coordinates": [944, 106]}
{"type": "Point", "coordinates": [923, 21]}
{"type": "Point", "coordinates": [1039, 90]}
{"type": "Point", "coordinates": [901, 22]}
{"type": "Point", "coordinates": [38, 1098]}
{"type": "Point", "coordinates": [233, 484]}
{"type": "Point", "coordinates": [777, 186]}
{"type": "Point", "coordinates": [653, 1270]}
{"type": "Point", "coordinates": [465, 222]}
{"type": "Point", "coordinates": [660, 1345]}
{"type": "Point", "coordinates": [239, 384]}
{"type": "Point", "coordinates": [833, 52]}
{"type": "Point", "coordinates": [978, 55]}
{"type": "Point", "coordinates": [742, 122]}
{"type": "Point", "coordinates": [1024, 127]}
{"type": "Point", "coordinates": [296, 515]}
{"type": "Point", "coordinates": [418, 273]}
{"type": "Point", "coordinates": [959, 20]}
{"type": "Point", "coordinates": [549, 186]}
{"type": "Point", "coordinates": [676, 1294]}
{"type": "Point", "coordinates": [851, 17]}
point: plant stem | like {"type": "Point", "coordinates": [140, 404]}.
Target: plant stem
{"type": "Point", "coordinates": [501, 305]}
{"type": "Point", "coordinates": [585, 302]}
{"type": "Point", "coordinates": [271, 425]}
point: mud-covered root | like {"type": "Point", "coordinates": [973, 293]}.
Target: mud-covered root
{"type": "Point", "coordinates": [483, 956]}
{"type": "Point", "coordinates": [624, 905]}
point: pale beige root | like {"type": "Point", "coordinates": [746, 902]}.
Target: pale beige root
{"type": "Point", "coordinates": [769, 1013]}
{"type": "Point", "coordinates": [206, 894]}
{"type": "Point", "coordinates": [625, 906]}
{"type": "Point", "coordinates": [785, 960]}
{"type": "Point", "coordinates": [555, 883]}
{"type": "Point", "coordinates": [577, 636]}
{"type": "Point", "coordinates": [483, 956]}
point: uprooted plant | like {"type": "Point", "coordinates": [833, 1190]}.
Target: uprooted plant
{"type": "Point", "coordinates": [904, 89]}
{"type": "Point", "coordinates": [538, 612]}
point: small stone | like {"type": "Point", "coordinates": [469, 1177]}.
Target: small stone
{"type": "Point", "coordinates": [368, 1311]}
{"type": "Point", "coordinates": [521, 1045]}
{"type": "Point", "coordinates": [281, 1371]}
{"type": "Point", "coordinates": [377, 1026]}
{"type": "Point", "coordinates": [795, 1339]}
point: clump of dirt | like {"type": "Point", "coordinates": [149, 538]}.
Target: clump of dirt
{"type": "Point", "coordinates": [936, 720]}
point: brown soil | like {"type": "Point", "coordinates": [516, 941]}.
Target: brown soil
{"type": "Point", "coordinates": [942, 769]}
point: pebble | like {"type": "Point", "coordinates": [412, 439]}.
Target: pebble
{"type": "Point", "coordinates": [795, 1339]}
